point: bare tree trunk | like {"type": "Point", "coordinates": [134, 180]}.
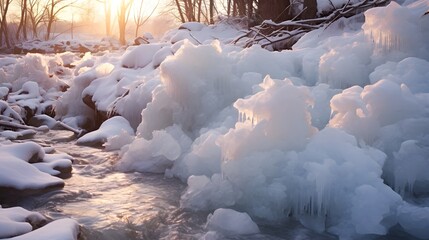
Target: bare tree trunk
{"type": "Point", "coordinates": [23, 22]}
{"type": "Point", "coordinates": [36, 13]}
{"type": "Point", "coordinates": [211, 7]}
{"type": "Point", "coordinates": [123, 15]}
{"type": "Point", "coordinates": [199, 10]}
{"type": "Point", "coordinates": [182, 18]}
{"type": "Point", "coordinates": [249, 9]}
{"type": "Point", "coordinates": [108, 12]}
{"type": "Point", "coordinates": [276, 10]}
{"type": "Point", "coordinates": [3, 24]}
{"type": "Point", "coordinates": [53, 9]}
{"type": "Point", "coordinates": [51, 16]}
{"type": "Point", "coordinates": [310, 9]}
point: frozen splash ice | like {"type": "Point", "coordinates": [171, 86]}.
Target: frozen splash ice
{"type": "Point", "coordinates": [398, 30]}
{"type": "Point", "coordinates": [278, 114]}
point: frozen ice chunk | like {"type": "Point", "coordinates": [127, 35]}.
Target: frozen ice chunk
{"type": "Point", "coordinates": [276, 117]}
{"type": "Point", "coordinates": [411, 71]}
{"type": "Point", "coordinates": [155, 155]}
{"type": "Point", "coordinates": [414, 219]}
{"type": "Point", "coordinates": [362, 112]}
{"type": "Point", "coordinates": [231, 222]}
{"type": "Point", "coordinates": [205, 193]}
{"type": "Point", "coordinates": [410, 167]}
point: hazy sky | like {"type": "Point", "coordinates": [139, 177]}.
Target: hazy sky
{"type": "Point", "coordinates": [148, 7]}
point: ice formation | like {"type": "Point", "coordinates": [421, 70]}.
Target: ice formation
{"type": "Point", "coordinates": [231, 222]}
{"type": "Point", "coordinates": [333, 133]}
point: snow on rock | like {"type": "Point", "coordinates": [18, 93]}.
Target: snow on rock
{"type": "Point", "coordinates": [19, 134]}
{"type": "Point", "coordinates": [18, 177]}
{"type": "Point", "coordinates": [16, 221]}
{"type": "Point", "coordinates": [62, 229]}
{"type": "Point", "coordinates": [231, 222]}
{"type": "Point", "coordinates": [113, 126]}
{"type": "Point", "coordinates": [9, 114]}
{"type": "Point", "coordinates": [34, 83]}
{"type": "Point", "coordinates": [60, 45]}
{"type": "Point", "coordinates": [140, 56]}
{"type": "Point", "coordinates": [161, 55]}
{"type": "Point", "coordinates": [70, 108]}
{"type": "Point", "coordinates": [192, 26]}
{"type": "Point", "coordinates": [29, 151]}
{"type": "Point", "coordinates": [37, 68]}
{"type": "Point", "coordinates": [4, 91]}
{"type": "Point", "coordinates": [198, 33]}
{"type": "Point", "coordinates": [29, 90]}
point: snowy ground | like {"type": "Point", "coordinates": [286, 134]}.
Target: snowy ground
{"type": "Point", "coordinates": [334, 133]}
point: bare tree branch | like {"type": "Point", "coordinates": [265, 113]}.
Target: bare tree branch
{"type": "Point", "coordinates": [283, 35]}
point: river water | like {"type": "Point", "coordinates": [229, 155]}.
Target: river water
{"type": "Point", "coordinates": [110, 205]}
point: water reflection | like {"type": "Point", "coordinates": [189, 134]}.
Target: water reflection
{"type": "Point", "coordinates": [113, 205]}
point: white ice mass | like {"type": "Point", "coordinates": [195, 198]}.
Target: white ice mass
{"type": "Point", "coordinates": [334, 133]}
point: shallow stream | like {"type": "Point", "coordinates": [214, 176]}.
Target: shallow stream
{"type": "Point", "coordinates": [110, 205]}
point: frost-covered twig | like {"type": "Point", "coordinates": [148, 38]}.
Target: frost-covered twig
{"type": "Point", "coordinates": [277, 36]}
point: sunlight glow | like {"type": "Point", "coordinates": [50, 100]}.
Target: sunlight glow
{"type": "Point", "coordinates": [79, 12]}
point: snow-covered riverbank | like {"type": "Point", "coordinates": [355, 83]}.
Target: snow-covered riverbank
{"type": "Point", "coordinates": [333, 134]}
